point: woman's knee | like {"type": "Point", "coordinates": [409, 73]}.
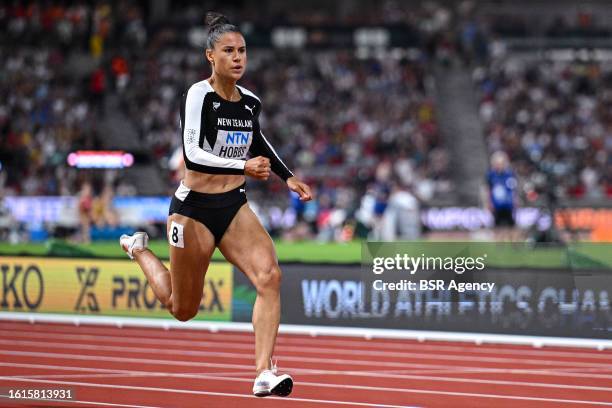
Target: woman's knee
{"type": "Point", "coordinates": [184, 313]}
{"type": "Point", "coordinates": [268, 277]}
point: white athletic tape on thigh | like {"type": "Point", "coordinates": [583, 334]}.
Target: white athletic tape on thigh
{"type": "Point", "coordinates": [175, 235]}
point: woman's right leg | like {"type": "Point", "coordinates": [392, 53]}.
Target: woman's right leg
{"type": "Point", "coordinates": [180, 288]}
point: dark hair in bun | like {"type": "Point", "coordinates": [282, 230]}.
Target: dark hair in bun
{"type": "Point", "coordinates": [213, 19]}
{"type": "Point", "coordinates": [218, 25]}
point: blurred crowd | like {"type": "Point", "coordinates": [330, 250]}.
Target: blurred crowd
{"type": "Point", "coordinates": [361, 129]}
{"type": "Point", "coordinates": [50, 104]}
{"type": "Point", "coordinates": [554, 119]}
{"type": "Point", "coordinates": [582, 20]}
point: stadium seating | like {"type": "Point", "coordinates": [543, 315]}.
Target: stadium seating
{"type": "Point", "coordinates": [355, 125]}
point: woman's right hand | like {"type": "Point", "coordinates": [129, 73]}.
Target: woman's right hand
{"type": "Point", "coordinates": [258, 167]}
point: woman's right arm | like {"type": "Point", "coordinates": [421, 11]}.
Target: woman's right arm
{"type": "Point", "coordinates": [192, 128]}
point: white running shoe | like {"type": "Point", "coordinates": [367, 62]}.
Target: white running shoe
{"type": "Point", "coordinates": [128, 243]}
{"type": "Point", "coordinates": [268, 383]}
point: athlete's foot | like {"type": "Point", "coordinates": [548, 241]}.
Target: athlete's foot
{"type": "Point", "coordinates": [268, 383]}
{"type": "Point", "coordinates": [129, 243]}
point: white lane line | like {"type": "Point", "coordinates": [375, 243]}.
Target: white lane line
{"type": "Point", "coordinates": [96, 403]}
{"type": "Point", "coordinates": [557, 372]}
{"type": "Point", "coordinates": [311, 330]}
{"type": "Point", "coordinates": [61, 368]}
{"type": "Point", "coordinates": [305, 349]}
{"type": "Point", "coordinates": [576, 372]}
{"type": "Point", "coordinates": [445, 357]}
{"type": "Point", "coordinates": [239, 341]}
{"type": "Point", "coordinates": [230, 376]}
{"type": "Point", "coordinates": [543, 371]}
{"type": "Point", "coordinates": [149, 361]}
{"type": "Point", "coordinates": [335, 386]}
{"type": "Point", "coordinates": [586, 370]}
{"type": "Point", "coordinates": [132, 374]}
{"type": "Point", "coordinates": [461, 394]}
{"type": "Point", "coordinates": [67, 356]}
{"type": "Point", "coordinates": [248, 369]}
{"type": "Point", "coordinates": [302, 371]}
{"type": "Point", "coordinates": [237, 356]}
{"type": "Point", "coordinates": [194, 392]}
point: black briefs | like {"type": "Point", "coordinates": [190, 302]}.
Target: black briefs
{"type": "Point", "coordinates": [215, 211]}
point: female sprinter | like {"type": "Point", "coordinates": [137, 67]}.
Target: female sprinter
{"type": "Point", "coordinates": [219, 125]}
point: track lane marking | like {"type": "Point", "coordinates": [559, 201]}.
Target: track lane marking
{"type": "Point", "coordinates": [345, 344]}
{"type": "Point", "coordinates": [96, 403]}
{"type": "Point", "coordinates": [92, 358]}
{"type": "Point", "coordinates": [72, 356]}
{"type": "Point", "coordinates": [221, 394]}
{"type": "Point", "coordinates": [228, 376]}
{"type": "Point", "coordinates": [403, 390]}
{"type": "Point", "coordinates": [143, 350]}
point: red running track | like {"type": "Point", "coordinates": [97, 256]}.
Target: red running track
{"type": "Point", "coordinates": [136, 367]}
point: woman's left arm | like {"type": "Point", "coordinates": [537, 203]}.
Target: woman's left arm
{"type": "Point", "coordinates": [261, 147]}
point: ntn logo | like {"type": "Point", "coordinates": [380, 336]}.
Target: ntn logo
{"type": "Point", "coordinates": [237, 138]}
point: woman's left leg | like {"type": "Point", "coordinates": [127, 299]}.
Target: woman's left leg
{"type": "Point", "coordinates": [247, 245]}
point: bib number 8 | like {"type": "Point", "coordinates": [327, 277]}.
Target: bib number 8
{"type": "Point", "coordinates": [176, 235]}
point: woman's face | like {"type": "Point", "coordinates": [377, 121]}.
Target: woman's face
{"type": "Point", "coordinates": [228, 57]}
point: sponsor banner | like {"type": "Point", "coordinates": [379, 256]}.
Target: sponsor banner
{"type": "Point", "coordinates": [529, 302]}
{"type": "Point", "coordinates": [133, 211]}
{"type": "Point", "coordinates": [475, 218]}
{"type": "Point", "coordinates": [554, 292]}
{"type": "Point", "coordinates": [35, 211]}
{"type": "Point", "coordinates": [543, 303]}
{"type": "Point", "coordinates": [99, 287]}
{"type": "Point", "coordinates": [244, 297]}
{"type": "Point", "coordinates": [141, 210]}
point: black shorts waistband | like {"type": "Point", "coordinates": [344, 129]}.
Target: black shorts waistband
{"type": "Point", "coordinates": [208, 200]}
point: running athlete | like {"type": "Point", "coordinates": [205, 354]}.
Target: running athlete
{"type": "Point", "coordinates": [220, 126]}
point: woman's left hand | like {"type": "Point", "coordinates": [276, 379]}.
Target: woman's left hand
{"type": "Point", "coordinates": [299, 187]}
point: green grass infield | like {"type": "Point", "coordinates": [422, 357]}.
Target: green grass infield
{"type": "Point", "coordinates": [512, 255]}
